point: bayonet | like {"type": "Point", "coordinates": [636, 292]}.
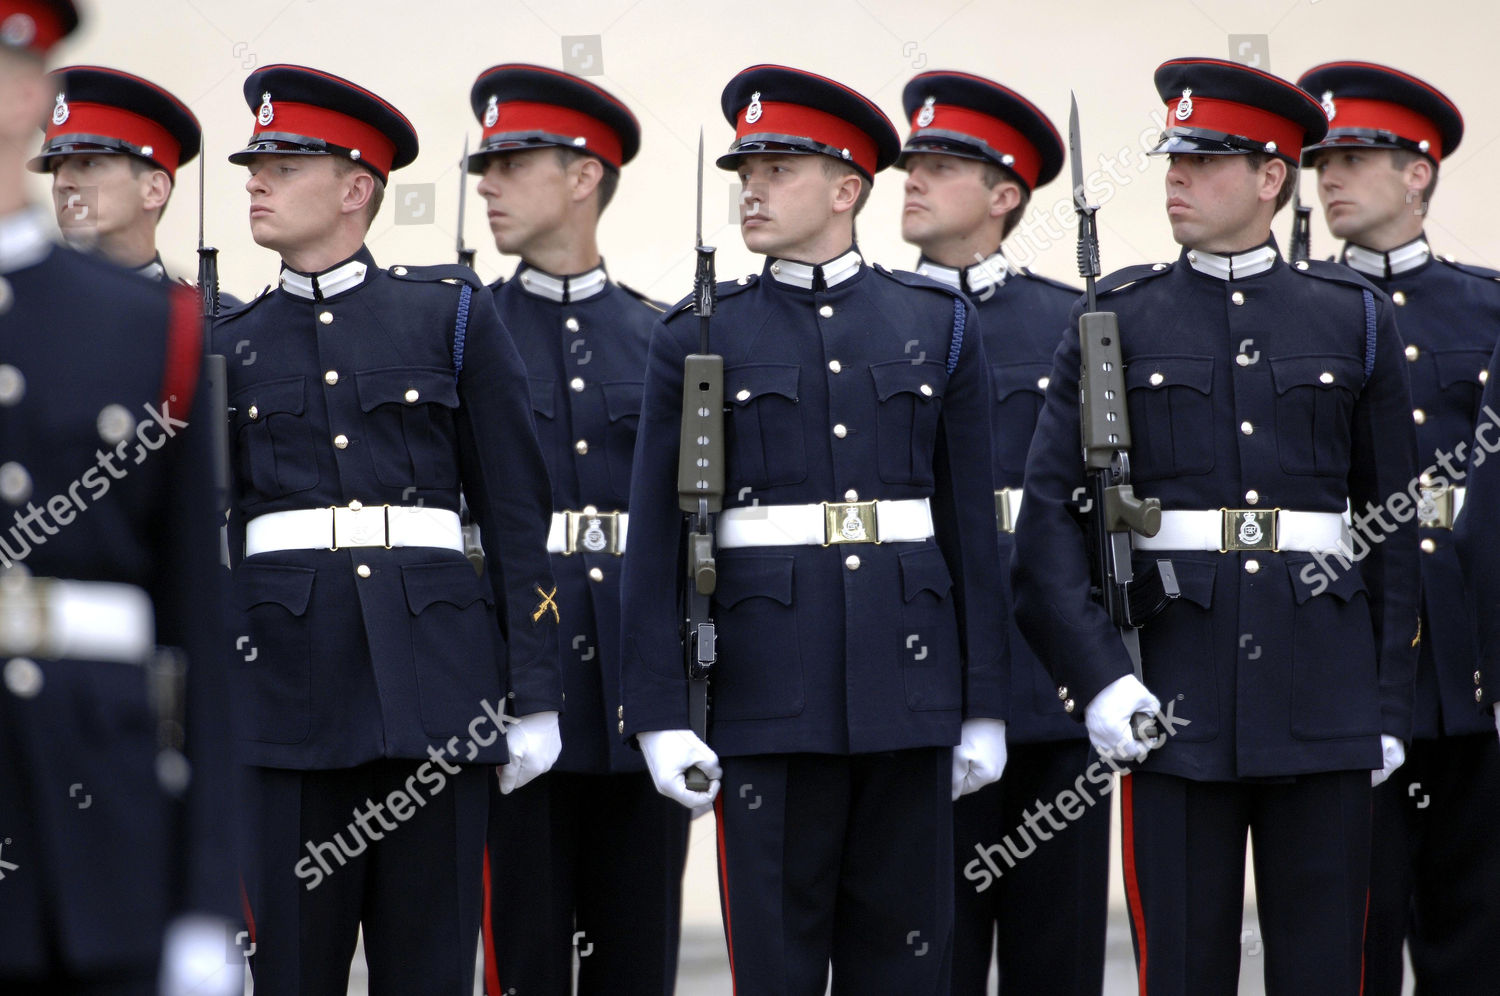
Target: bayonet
{"type": "Point", "coordinates": [465, 255]}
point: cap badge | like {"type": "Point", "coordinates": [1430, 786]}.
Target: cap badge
{"type": "Point", "coordinates": [18, 30]}
{"type": "Point", "coordinates": [266, 113]}
{"type": "Point", "coordinates": [492, 111]}
{"type": "Point", "coordinates": [1185, 105]}
{"type": "Point", "coordinates": [752, 113]}
{"type": "Point", "coordinates": [1328, 107]}
{"type": "Point", "coordinates": [60, 112]}
{"type": "Point", "coordinates": [926, 114]}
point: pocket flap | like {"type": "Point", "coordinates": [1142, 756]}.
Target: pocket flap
{"type": "Point", "coordinates": [622, 399]}
{"type": "Point", "coordinates": [407, 386]}
{"type": "Point", "coordinates": [1309, 580]}
{"type": "Point", "coordinates": [286, 396]}
{"type": "Point", "coordinates": [542, 401]}
{"type": "Point", "coordinates": [1195, 578]}
{"type": "Point", "coordinates": [1458, 365]}
{"type": "Point", "coordinates": [1008, 380]}
{"type": "Point", "coordinates": [758, 576]}
{"type": "Point", "coordinates": [922, 380]}
{"type": "Point", "coordinates": [279, 584]}
{"type": "Point", "coordinates": [1159, 372]}
{"type": "Point", "coordinates": [1288, 372]}
{"type": "Point", "coordinates": [924, 570]}
{"type": "Point", "coordinates": [454, 583]}
{"type": "Point", "coordinates": [743, 385]}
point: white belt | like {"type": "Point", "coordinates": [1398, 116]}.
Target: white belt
{"type": "Point", "coordinates": [75, 620]}
{"type": "Point", "coordinates": [590, 529]}
{"type": "Point", "coordinates": [1227, 529]}
{"type": "Point", "coordinates": [1007, 508]}
{"type": "Point", "coordinates": [827, 523]}
{"type": "Point", "coordinates": [354, 525]}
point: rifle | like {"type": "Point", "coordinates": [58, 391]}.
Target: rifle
{"type": "Point", "coordinates": [473, 547]}
{"type": "Point", "coordinates": [1301, 247]}
{"type": "Point", "coordinates": [1113, 511]}
{"type": "Point", "coordinates": [700, 487]}
{"type": "Point", "coordinates": [216, 371]}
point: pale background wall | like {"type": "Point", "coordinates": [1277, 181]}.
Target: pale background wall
{"type": "Point", "coordinates": [669, 60]}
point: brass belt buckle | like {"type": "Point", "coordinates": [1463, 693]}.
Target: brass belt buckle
{"type": "Point", "coordinates": [1435, 509]}
{"type": "Point", "coordinates": [1005, 515]}
{"type": "Point", "coordinates": [24, 617]}
{"type": "Point", "coordinates": [591, 530]}
{"type": "Point", "coordinates": [849, 522]}
{"type": "Point", "coordinates": [1249, 529]}
{"type": "Point", "coordinates": [358, 525]}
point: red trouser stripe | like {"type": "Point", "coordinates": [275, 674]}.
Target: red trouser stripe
{"type": "Point", "coordinates": [491, 970]}
{"type": "Point", "coordinates": [184, 352]}
{"type": "Point", "coordinates": [249, 913]}
{"type": "Point", "coordinates": [1132, 884]}
{"type": "Point", "coordinates": [724, 885]}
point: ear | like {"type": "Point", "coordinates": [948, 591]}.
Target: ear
{"type": "Point", "coordinates": [1417, 175]}
{"type": "Point", "coordinates": [1271, 179]}
{"type": "Point", "coordinates": [156, 187]}
{"type": "Point", "coordinates": [359, 187]}
{"type": "Point", "coordinates": [1005, 197]}
{"type": "Point", "coordinates": [587, 172]}
{"type": "Point", "coordinates": [846, 192]}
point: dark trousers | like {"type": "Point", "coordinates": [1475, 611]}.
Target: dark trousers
{"type": "Point", "coordinates": [837, 860]}
{"type": "Point", "coordinates": [1435, 873]}
{"type": "Point", "coordinates": [412, 882]}
{"type": "Point", "coordinates": [588, 865]}
{"type": "Point", "coordinates": [1045, 913]}
{"type": "Point", "coordinates": [1184, 863]}
{"type": "Point", "coordinates": [117, 983]}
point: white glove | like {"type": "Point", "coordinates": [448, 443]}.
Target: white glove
{"type": "Point", "coordinates": [534, 742]}
{"type": "Point", "coordinates": [1108, 718]}
{"type": "Point", "coordinates": [669, 754]}
{"type": "Point", "coordinates": [200, 958]}
{"type": "Point", "coordinates": [1392, 756]}
{"type": "Point", "coordinates": [979, 758]}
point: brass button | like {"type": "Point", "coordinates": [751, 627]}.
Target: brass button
{"type": "Point", "coordinates": [15, 483]}
{"type": "Point", "coordinates": [254, 413]}
{"type": "Point", "coordinates": [411, 395]}
{"type": "Point", "coordinates": [1479, 695]}
{"type": "Point", "coordinates": [114, 423]}
{"type": "Point", "coordinates": [571, 324]}
{"type": "Point", "coordinates": [622, 726]}
{"type": "Point", "coordinates": [1398, 297]}
{"type": "Point", "coordinates": [1477, 677]}
{"type": "Point", "coordinates": [399, 271]}
{"type": "Point", "coordinates": [1428, 546]}
{"type": "Point", "coordinates": [331, 378]}
{"type": "Point", "coordinates": [1237, 297]}
{"type": "Point", "coordinates": [826, 311]}
{"type": "Point", "coordinates": [1412, 352]}
{"type": "Point", "coordinates": [326, 317]}
{"type": "Point", "coordinates": [1042, 382]}
{"type": "Point", "coordinates": [1301, 264]}
{"type": "Point", "coordinates": [926, 390]}
{"type": "Point", "coordinates": [851, 495]}
{"type": "Point", "coordinates": [1252, 566]}
{"type": "Point", "coordinates": [1325, 377]}
{"type": "Point", "coordinates": [1418, 416]}
{"type": "Point", "coordinates": [840, 431]}
{"type": "Point", "coordinates": [1062, 691]}
{"type": "Point", "coordinates": [595, 574]}
{"type": "Point", "coordinates": [620, 712]}
{"type": "Point", "coordinates": [1252, 497]}
{"type": "Point", "coordinates": [576, 384]}
{"type": "Point", "coordinates": [1242, 359]}
{"type": "Point", "coordinates": [835, 366]}
{"type": "Point", "coordinates": [355, 505]}
{"type": "Point", "coordinates": [1157, 379]}
{"type": "Point", "coordinates": [1247, 428]}
{"type": "Point", "coordinates": [852, 562]}
{"type": "Point", "coordinates": [12, 385]}
{"type": "Point", "coordinates": [743, 394]}
{"type": "Point", "coordinates": [1069, 705]}
{"type": "Point", "coordinates": [1484, 376]}
{"type": "Point", "coordinates": [23, 677]}
{"type": "Point", "coordinates": [340, 441]}
{"type": "Point", "coordinates": [581, 447]}
{"type": "Point", "coordinates": [363, 570]}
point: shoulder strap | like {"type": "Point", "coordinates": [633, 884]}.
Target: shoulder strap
{"type": "Point", "coordinates": [460, 329]}
{"type": "Point", "coordinates": [179, 380]}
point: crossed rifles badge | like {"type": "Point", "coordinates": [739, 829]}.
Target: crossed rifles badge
{"type": "Point", "coordinates": [549, 601]}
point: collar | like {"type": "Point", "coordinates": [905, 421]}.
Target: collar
{"type": "Point", "coordinates": [1235, 267]}
{"type": "Point", "coordinates": [23, 240]}
{"type": "Point", "coordinates": [1385, 265]}
{"type": "Point", "coordinates": [576, 287]}
{"type": "Point", "coordinates": [154, 270]}
{"type": "Point", "coordinates": [976, 278]}
{"type": "Point", "coordinates": [816, 277]}
{"type": "Point", "coordinates": [332, 281]}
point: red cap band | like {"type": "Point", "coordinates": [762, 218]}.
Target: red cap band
{"type": "Point", "coordinates": [808, 122]}
{"type": "Point", "coordinates": [1233, 118]}
{"type": "Point", "coordinates": [528, 116]}
{"type": "Point", "coordinates": [86, 119]}
{"type": "Point", "coordinates": [310, 121]}
{"type": "Point", "coordinates": [1381, 115]}
{"type": "Point", "coordinates": [30, 24]}
{"type": "Point", "coordinates": [992, 131]}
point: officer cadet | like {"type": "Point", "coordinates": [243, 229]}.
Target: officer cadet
{"type": "Point", "coordinates": [116, 863]}
{"type": "Point", "coordinates": [859, 599]}
{"type": "Point", "coordinates": [113, 145]}
{"type": "Point", "coordinates": [593, 847]}
{"type": "Point", "coordinates": [1436, 865]}
{"type": "Point", "coordinates": [381, 676]}
{"type": "Point", "coordinates": [976, 152]}
{"type": "Point", "coordinates": [1262, 397]}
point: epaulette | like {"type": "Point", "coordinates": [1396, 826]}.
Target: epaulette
{"type": "Point", "coordinates": [440, 271]}
{"type": "Point", "coordinates": [1483, 272]}
{"type": "Point", "coordinates": [1336, 272]}
{"type": "Point", "coordinates": [498, 283]}
{"type": "Point", "coordinates": [725, 288]}
{"type": "Point", "coordinates": [238, 308]}
{"type": "Point", "coordinates": [910, 279]}
{"type": "Point", "coordinates": [651, 303]}
{"type": "Point", "coordinates": [1058, 284]}
{"type": "Point", "coordinates": [1129, 275]}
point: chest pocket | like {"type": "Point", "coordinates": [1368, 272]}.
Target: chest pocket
{"type": "Point", "coordinates": [409, 425]}
{"type": "Point", "coordinates": [1459, 372]}
{"type": "Point", "coordinates": [1019, 389]}
{"type": "Point", "coordinates": [1171, 415]}
{"type": "Point", "coordinates": [274, 447]}
{"type": "Point", "coordinates": [622, 405]}
{"type": "Point", "coordinates": [1314, 407]}
{"type": "Point", "coordinates": [764, 427]}
{"type": "Point", "coordinates": [910, 399]}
